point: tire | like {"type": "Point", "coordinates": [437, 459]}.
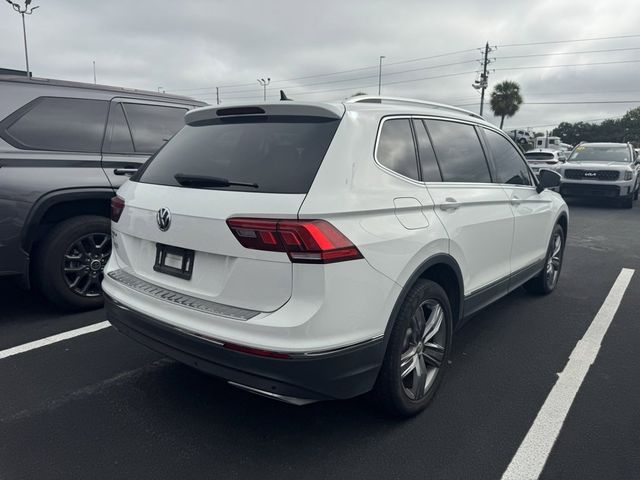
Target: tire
{"type": "Point", "coordinates": [627, 202]}
{"type": "Point", "coordinates": [546, 281]}
{"type": "Point", "coordinates": [410, 395]}
{"type": "Point", "coordinates": [77, 248]}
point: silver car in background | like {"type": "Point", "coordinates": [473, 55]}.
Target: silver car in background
{"type": "Point", "coordinates": [604, 170]}
{"type": "Point", "coordinates": [544, 158]}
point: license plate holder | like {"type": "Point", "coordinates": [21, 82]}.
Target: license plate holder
{"type": "Point", "coordinates": [174, 261]}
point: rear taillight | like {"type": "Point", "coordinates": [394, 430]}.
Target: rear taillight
{"type": "Point", "coordinates": [305, 241]}
{"type": "Point", "coordinates": [117, 206]}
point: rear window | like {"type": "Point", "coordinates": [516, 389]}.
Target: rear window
{"type": "Point", "coordinates": [281, 154]}
{"type": "Point", "coordinates": [539, 156]}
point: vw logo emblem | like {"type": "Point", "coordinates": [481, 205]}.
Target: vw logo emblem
{"type": "Point", "coordinates": [163, 217]}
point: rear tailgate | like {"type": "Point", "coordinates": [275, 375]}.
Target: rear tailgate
{"type": "Point", "coordinates": [223, 270]}
{"type": "Point", "coordinates": [268, 162]}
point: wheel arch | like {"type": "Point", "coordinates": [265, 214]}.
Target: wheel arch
{"type": "Point", "coordinates": [60, 205]}
{"type": "Point", "coordinates": [563, 221]}
{"type": "Point", "coordinates": [442, 269]}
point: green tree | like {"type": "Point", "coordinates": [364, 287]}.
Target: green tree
{"type": "Point", "coordinates": [505, 100]}
{"type": "Point", "coordinates": [625, 129]}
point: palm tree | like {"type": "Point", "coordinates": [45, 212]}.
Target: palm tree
{"type": "Point", "coordinates": [506, 100]}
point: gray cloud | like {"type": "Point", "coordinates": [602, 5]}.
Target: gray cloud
{"type": "Point", "coordinates": [189, 45]}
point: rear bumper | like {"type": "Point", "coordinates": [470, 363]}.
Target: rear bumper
{"type": "Point", "coordinates": [339, 374]}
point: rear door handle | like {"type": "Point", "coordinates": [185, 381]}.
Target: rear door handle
{"type": "Point", "coordinates": [516, 200]}
{"type": "Point", "coordinates": [124, 171]}
{"type": "Point", "coordinates": [450, 204]}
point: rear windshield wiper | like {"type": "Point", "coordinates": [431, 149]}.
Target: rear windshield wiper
{"type": "Point", "coordinates": [204, 181]}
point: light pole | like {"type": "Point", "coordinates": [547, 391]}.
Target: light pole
{"type": "Point", "coordinates": [380, 74]}
{"type": "Point", "coordinates": [27, 9]}
{"type": "Point", "coordinates": [264, 84]}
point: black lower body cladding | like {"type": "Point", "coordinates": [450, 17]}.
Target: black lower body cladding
{"type": "Point", "coordinates": [341, 374]}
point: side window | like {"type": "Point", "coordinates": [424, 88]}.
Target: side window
{"type": "Point", "coordinates": [459, 152]}
{"type": "Point", "coordinates": [118, 137]}
{"type": "Point", "coordinates": [61, 124]}
{"type": "Point", "coordinates": [428, 163]}
{"type": "Point", "coordinates": [396, 149]}
{"type": "Point", "coordinates": [152, 125]}
{"type": "Point", "coordinates": [510, 167]}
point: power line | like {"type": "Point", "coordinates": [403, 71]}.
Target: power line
{"type": "Point", "coordinates": [587, 102]}
{"type": "Point", "coordinates": [206, 89]}
{"type": "Point", "coordinates": [353, 79]}
{"type": "Point", "coordinates": [371, 85]}
{"type": "Point", "coordinates": [412, 60]}
{"type": "Point", "coordinates": [567, 65]}
{"type": "Point", "coordinates": [339, 72]}
{"type": "Point", "coordinates": [452, 75]}
{"type": "Point", "coordinates": [585, 121]}
{"type": "Point", "coordinates": [297, 89]}
{"type": "Point", "coordinates": [568, 41]}
{"type": "Point", "coordinates": [582, 93]}
{"type": "Point", "coordinates": [590, 102]}
{"type": "Point", "coordinates": [568, 53]}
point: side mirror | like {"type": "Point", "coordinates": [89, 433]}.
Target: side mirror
{"type": "Point", "coordinates": [548, 179]}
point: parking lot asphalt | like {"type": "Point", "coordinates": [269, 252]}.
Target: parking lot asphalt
{"type": "Point", "coordinates": [101, 406]}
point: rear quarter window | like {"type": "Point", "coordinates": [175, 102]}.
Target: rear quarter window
{"type": "Point", "coordinates": [281, 154]}
{"type": "Point", "coordinates": [396, 149]}
{"type": "Point", "coordinates": [59, 124]}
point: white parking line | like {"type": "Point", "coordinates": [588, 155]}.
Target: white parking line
{"type": "Point", "coordinates": [25, 347]}
{"type": "Point", "coordinates": [534, 450]}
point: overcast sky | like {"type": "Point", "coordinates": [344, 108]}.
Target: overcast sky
{"type": "Point", "coordinates": [189, 47]}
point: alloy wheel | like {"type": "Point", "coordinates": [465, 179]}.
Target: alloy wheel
{"type": "Point", "coordinates": [554, 262]}
{"type": "Point", "coordinates": [423, 349]}
{"type": "Point", "coordinates": [84, 263]}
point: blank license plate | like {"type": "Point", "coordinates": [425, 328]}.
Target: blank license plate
{"type": "Point", "coordinates": [174, 261]}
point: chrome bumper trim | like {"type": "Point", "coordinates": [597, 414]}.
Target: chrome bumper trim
{"type": "Point", "coordinates": [136, 284]}
{"type": "Point", "coordinates": [275, 396]}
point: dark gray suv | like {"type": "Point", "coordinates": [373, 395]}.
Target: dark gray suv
{"type": "Point", "coordinates": [65, 148]}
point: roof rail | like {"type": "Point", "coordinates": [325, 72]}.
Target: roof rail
{"type": "Point", "coordinates": [409, 101]}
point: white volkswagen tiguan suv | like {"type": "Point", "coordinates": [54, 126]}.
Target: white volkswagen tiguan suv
{"type": "Point", "coordinates": [311, 251]}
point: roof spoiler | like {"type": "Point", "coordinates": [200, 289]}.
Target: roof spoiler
{"type": "Point", "coordinates": [300, 109]}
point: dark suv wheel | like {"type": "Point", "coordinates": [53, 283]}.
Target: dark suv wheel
{"type": "Point", "coordinates": [417, 351]}
{"type": "Point", "coordinates": [70, 260]}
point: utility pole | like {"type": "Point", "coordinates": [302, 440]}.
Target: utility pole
{"type": "Point", "coordinates": [28, 10]}
{"type": "Point", "coordinates": [380, 75]}
{"type": "Point", "coordinates": [482, 83]}
{"type": "Point", "coordinates": [264, 84]}
{"type": "Point", "coordinates": [217, 96]}
{"type": "Point", "coordinates": [484, 79]}
{"type": "Point", "coordinates": [94, 72]}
